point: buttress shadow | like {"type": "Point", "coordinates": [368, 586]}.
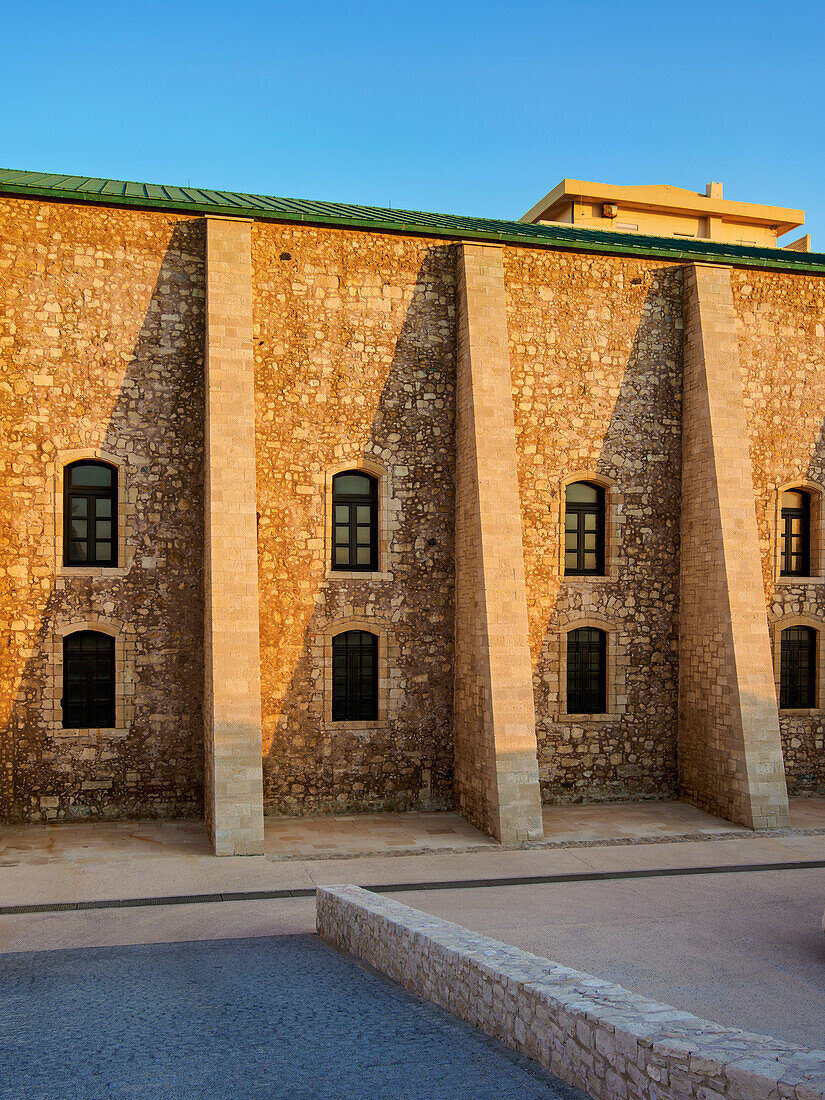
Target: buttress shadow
{"type": "Point", "coordinates": [404, 760]}
{"type": "Point", "coordinates": [153, 600]}
{"type": "Point", "coordinates": [630, 752]}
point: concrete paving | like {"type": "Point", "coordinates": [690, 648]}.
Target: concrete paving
{"type": "Point", "coordinates": [743, 949]}
{"type": "Point", "coordinates": [344, 836]}
{"type": "Point", "coordinates": [263, 1018]}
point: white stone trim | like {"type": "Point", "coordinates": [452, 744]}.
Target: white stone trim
{"type": "Point", "coordinates": [615, 693]}
{"type": "Point", "coordinates": [784, 623]}
{"type": "Point", "coordinates": [817, 495]}
{"type": "Point", "coordinates": [613, 521]}
{"type": "Point", "coordinates": [54, 513]}
{"type": "Point", "coordinates": [125, 679]}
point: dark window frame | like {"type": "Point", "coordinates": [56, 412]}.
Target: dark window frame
{"type": "Point", "coordinates": [580, 511]}
{"type": "Point", "coordinates": [355, 676]}
{"type": "Point", "coordinates": [89, 680]}
{"type": "Point", "coordinates": [89, 496]}
{"type": "Point", "coordinates": [798, 650]}
{"type": "Point", "coordinates": [586, 692]}
{"type": "Point", "coordinates": [787, 537]}
{"type": "Point", "coordinates": [353, 501]}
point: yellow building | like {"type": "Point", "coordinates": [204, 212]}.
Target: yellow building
{"type": "Point", "coordinates": [664, 211]}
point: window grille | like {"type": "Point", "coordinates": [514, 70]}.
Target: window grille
{"type": "Point", "coordinates": [88, 680]}
{"type": "Point", "coordinates": [587, 671]}
{"type": "Point", "coordinates": [355, 676]}
{"type": "Point", "coordinates": [797, 679]}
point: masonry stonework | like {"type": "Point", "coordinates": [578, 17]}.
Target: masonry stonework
{"type": "Point", "coordinates": [232, 693]}
{"type": "Point", "coordinates": [596, 354]}
{"type": "Point", "coordinates": [780, 328]}
{"type": "Point", "coordinates": [495, 739]}
{"type": "Point", "coordinates": [473, 382]}
{"type": "Point", "coordinates": [593, 1034]}
{"type": "Point", "coordinates": [354, 348]}
{"type": "Point", "coordinates": [101, 341]}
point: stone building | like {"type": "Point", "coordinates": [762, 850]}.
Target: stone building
{"type": "Point", "coordinates": [312, 507]}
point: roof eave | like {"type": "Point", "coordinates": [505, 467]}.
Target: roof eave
{"type": "Point", "coordinates": [557, 237]}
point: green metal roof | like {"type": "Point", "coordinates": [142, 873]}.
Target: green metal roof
{"type": "Point", "coordinates": [196, 200]}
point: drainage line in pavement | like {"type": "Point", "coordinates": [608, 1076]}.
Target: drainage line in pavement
{"type": "Point", "coordinates": [402, 887]}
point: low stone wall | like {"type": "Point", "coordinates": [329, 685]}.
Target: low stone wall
{"type": "Point", "coordinates": [604, 1039]}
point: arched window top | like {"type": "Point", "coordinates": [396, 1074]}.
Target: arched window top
{"type": "Point", "coordinates": [355, 521]}
{"type": "Point", "coordinates": [795, 498]}
{"type": "Point", "coordinates": [90, 514]}
{"type": "Point", "coordinates": [90, 474]}
{"type": "Point", "coordinates": [355, 676]}
{"type": "Point", "coordinates": [584, 492]}
{"type": "Point", "coordinates": [88, 680]}
{"type": "Point", "coordinates": [354, 483]}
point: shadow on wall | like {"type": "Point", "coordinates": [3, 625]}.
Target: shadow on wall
{"type": "Point", "coordinates": [144, 407]}
{"type": "Point", "coordinates": [383, 380]}
{"type": "Point", "coordinates": [630, 752]}
{"type": "Point", "coordinates": [803, 736]}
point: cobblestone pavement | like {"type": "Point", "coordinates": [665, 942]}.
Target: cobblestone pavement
{"type": "Point", "coordinates": [281, 1017]}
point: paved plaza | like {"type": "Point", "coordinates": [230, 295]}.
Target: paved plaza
{"type": "Point", "coordinates": [178, 997]}
{"type": "Point", "coordinates": [285, 1017]}
{"type": "Point", "coordinates": [347, 835]}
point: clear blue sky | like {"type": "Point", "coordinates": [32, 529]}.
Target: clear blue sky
{"type": "Point", "coordinates": [469, 108]}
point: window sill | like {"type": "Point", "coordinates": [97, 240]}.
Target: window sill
{"type": "Point", "coordinates": [589, 578]}
{"type": "Point", "coordinates": [800, 712]}
{"type": "Point", "coordinates": [578, 719]}
{"type": "Point", "coordinates": [353, 726]}
{"type": "Point", "coordinates": [73, 731]}
{"type": "Point", "coordinates": [92, 570]}
{"type": "Point", "coordinates": [356, 575]}
{"type": "Point", "coordinates": [785, 579]}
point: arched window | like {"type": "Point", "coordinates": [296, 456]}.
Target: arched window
{"type": "Point", "coordinates": [90, 514]}
{"type": "Point", "coordinates": [584, 529]}
{"type": "Point", "coordinates": [795, 533]}
{"type": "Point", "coordinates": [88, 680]}
{"type": "Point", "coordinates": [587, 671]}
{"type": "Point", "coordinates": [355, 521]}
{"type": "Point", "coordinates": [354, 676]}
{"type": "Point", "coordinates": [797, 670]}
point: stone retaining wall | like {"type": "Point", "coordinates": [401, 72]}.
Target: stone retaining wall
{"type": "Point", "coordinates": [598, 1036]}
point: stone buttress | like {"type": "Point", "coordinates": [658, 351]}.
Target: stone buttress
{"type": "Point", "coordinates": [233, 792]}
{"type": "Point", "coordinates": [496, 769]}
{"type": "Point", "coordinates": [730, 753]}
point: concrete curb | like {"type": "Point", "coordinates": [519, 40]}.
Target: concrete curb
{"type": "Point", "coordinates": [614, 1044]}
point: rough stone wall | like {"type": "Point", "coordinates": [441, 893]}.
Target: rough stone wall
{"type": "Point", "coordinates": [354, 339]}
{"type": "Point", "coordinates": [595, 353]}
{"type": "Point", "coordinates": [101, 349]}
{"type": "Point", "coordinates": [780, 320]}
